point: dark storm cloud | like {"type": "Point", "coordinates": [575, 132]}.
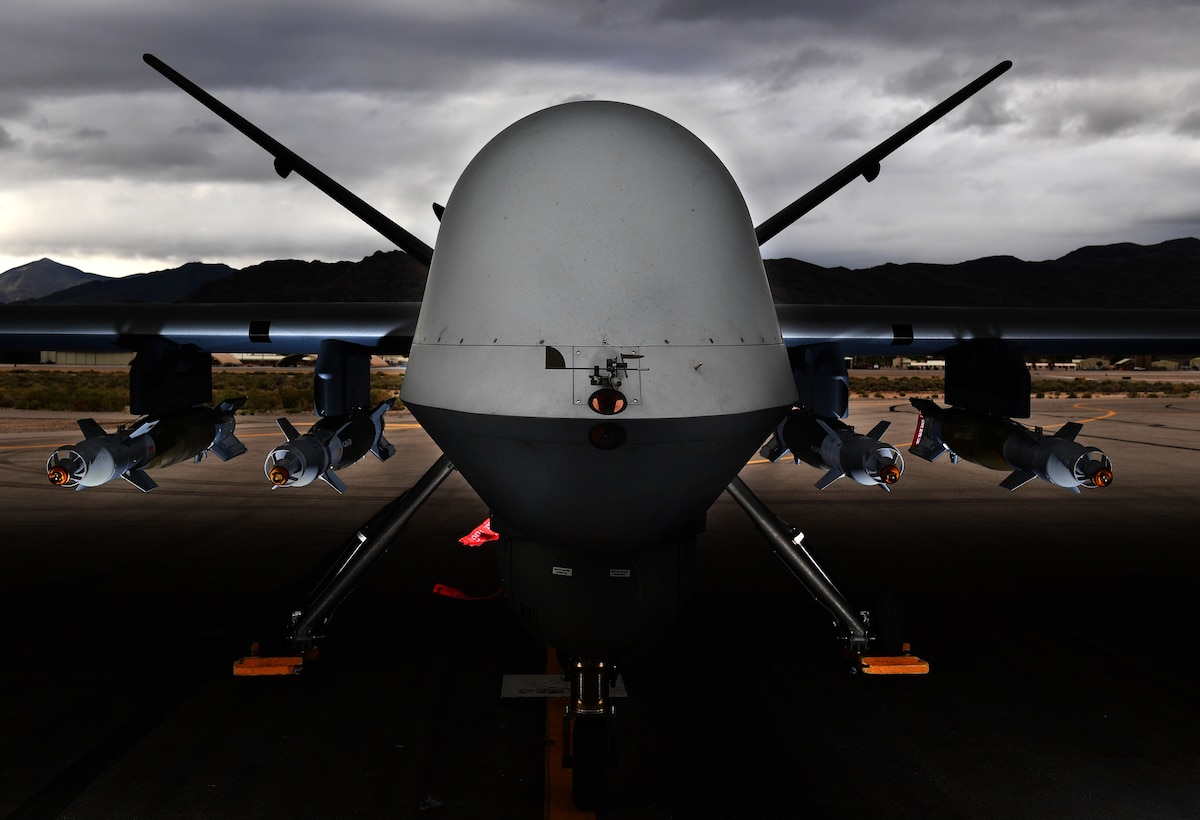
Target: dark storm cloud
{"type": "Point", "coordinates": [13, 105]}
{"type": "Point", "coordinates": [407, 47]}
{"type": "Point", "coordinates": [394, 98]}
{"type": "Point", "coordinates": [306, 45]}
{"type": "Point", "coordinates": [1189, 124]}
{"type": "Point", "coordinates": [1087, 114]}
{"type": "Point", "coordinates": [986, 114]}
{"type": "Point", "coordinates": [933, 79]}
{"type": "Point", "coordinates": [152, 160]}
{"type": "Point", "coordinates": [203, 129]}
{"type": "Point", "coordinates": [733, 13]}
{"type": "Point", "coordinates": [1179, 223]}
{"type": "Point", "coordinates": [282, 54]}
{"type": "Point", "coordinates": [316, 46]}
{"type": "Point", "coordinates": [779, 73]}
{"type": "Point", "coordinates": [44, 125]}
{"type": "Point", "coordinates": [1066, 38]}
{"type": "Point", "coordinates": [298, 45]}
{"type": "Point", "coordinates": [1112, 117]}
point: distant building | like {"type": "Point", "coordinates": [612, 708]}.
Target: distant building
{"type": "Point", "coordinates": [902, 363]}
{"type": "Point", "coordinates": [123, 359]}
{"type": "Point", "coordinates": [77, 358]}
{"type": "Point", "coordinates": [115, 359]}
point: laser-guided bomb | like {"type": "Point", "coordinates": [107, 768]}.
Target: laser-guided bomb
{"type": "Point", "coordinates": [154, 441]}
{"type": "Point", "coordinates": [1000, 443]}
{"type": "Point", "coordinates": [333, 443]}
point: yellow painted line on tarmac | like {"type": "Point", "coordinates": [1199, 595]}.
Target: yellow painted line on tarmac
{"type": "Point", "coordinates": [1108, 414]}
{"type": "Point", "coordinates": [559, 804]}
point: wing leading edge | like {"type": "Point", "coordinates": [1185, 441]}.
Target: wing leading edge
{"type": "Point", "coordinates": [379, 327]}
{"type": "Point", "coordinates": [881, 330]}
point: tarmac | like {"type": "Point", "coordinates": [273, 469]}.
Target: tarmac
{"type": "Point", "coordinates": [1060, 630]}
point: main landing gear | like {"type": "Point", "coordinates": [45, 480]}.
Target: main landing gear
{"type": "Point", "coordinates": [786, 541]}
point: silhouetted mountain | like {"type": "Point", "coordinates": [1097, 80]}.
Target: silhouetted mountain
{"type": "Point", "coordinates": [384, 276]}
{"type": "Point", "coordinates": [154, 288]}
{"type": "Point", "coordinates": [40, 278]}
{"type": "Point", "coordinates": [1166, 275]}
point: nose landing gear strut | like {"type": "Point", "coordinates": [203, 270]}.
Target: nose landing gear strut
{"type": "Point", "coordinates": [589, 747]}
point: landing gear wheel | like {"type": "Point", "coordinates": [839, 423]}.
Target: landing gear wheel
{"type": "Point", "coordinates": [589, 740]}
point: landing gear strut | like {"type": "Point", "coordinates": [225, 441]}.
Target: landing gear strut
{"type": "Point", "coordinates": [785, 540]}
{"type": "Point", "coordinates": [360, 552]}
{"type": "Point", "coordinates": [588, 746]}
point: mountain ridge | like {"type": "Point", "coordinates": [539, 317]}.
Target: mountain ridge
{"type": "Point", "coordinates": [1164, 275]}
{"type": "Point", "coordinates": [39, 278]}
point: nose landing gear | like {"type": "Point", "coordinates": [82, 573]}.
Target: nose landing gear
{"type": "Point", "coordinates": [589, 747]}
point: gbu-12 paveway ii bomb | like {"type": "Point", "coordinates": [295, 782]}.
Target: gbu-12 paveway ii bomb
{"type": "Point", "coordinates": [832, 445]}
{"type": "Point", "coordinates": [158, 440]}
{"type": "Point", "coordinates": [332, 443]}
{"type": "Point", "coordinates": [1002, 444]}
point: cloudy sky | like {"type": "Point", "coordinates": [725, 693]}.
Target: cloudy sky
{"type": "Point", "coordinates": [1092, 138]}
